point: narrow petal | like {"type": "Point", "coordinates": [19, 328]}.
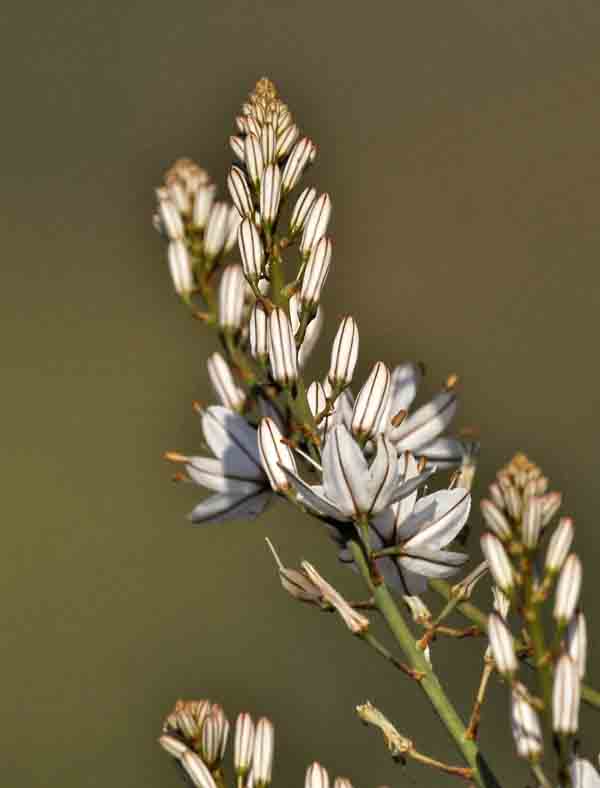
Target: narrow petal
{"type": "Point", "coordinates": [443, 452]}
{"type": "Point", "coordinates": [210, 473]}
{"type": "Point", "coordinates": [313, 496]}
{"type": "Point", "coordinates": [449, 512]}
{"type": "Point", "coordinates": [233, 441]}
{"type": "Point", "coordinates": [440, 563]}
{"type": "Point", "coordinates": [405, 381]}
{"type": "Point", "coordinates": [407, 487]}
{"type": "Point", "coordinates": [383, 475]}
{"type": "Point", "coordinates": [227, 506]}
{"type": "Point", "coordinates": [345, 472]}
{"type": "Point", "coordinates": [426, 423]}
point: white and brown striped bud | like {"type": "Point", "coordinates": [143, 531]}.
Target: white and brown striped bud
{"type": "Point", "coordinates": [344, 353]}
{"type": "Point", "coordinates": [240, 193]}
{"type": "Point", "coordinates": [566, 694]}
{"type": "Point", "coordinates": [371, 401]}
{"type": "Point", "coordinates": [179, 196]}
{"type": "Point", "coordinates": [233, 223]}
{"type": "Point", "coordinates": [173, 746]}
{"type": "Point", "coordinates": [496, 520]}
{"type": "Point", "coordinates": [559, 545]}
{"type": "Point", "coordinates": [502, 645]}
{"type": "Point", "coordinates": [316, 776]}
{"type": "Point", "coordinates": [513, 501]}
{"type": "Point", "coordinates": [203, 203]}
{"type": "Point", "coordinates": [550, 505]}
{"type": "Point", "coordinates": [498, 562]}
{"type": "Point", "coordinates": [311, 337]}
{"type": "Point", "coordinates": [342, 782]}
{"type": "Point", "coordinates": [232, 292]}
{"type": "Point", "coordinates": [286, 140]}
{"type": "Point", "coordinates": [317, 402]}
{"type": "Point", "coordinates": [316, 224]}
{"type": "Point", "coordinates": [262, 756]}
{"type": "Point", "coordinates": [253, 156]}
{"type": "Point", "coordinates": [171, 220]}
{"type": "Point", "coordinates": [270, 194]}
{"type": "Point", "coordinates": [302, 208]}
{"type": "Point", "coordinates": [526, 729]}
{"type": "Point", "coordinates": [216, 230]}
{"type": "Point", "coordinates": [180, 268]}
{"type": "Point", "coordinates": [274, 454]}
{"type": "Point", "coordinates": [568, 589]}
{"type": "Point", "coordinates": [237, 146]}
{"type": "Point", "coordinates": [268, 143]}
{"type": "Point", "coordinates": [243, 744]}
{"type": "Point", "coordinates": [242, 124]}
{"type": "Point", "coordinates": [221, 377]}
{"type": "Point", "coordinates": [222, 727]}
{"type": "Point", "coordinates": [316, 272]}
{"type": "Point", "coordinates": [197, 771]}
{"type": "Point", "coordinates": [299, 159]}
{"type": "Point", "coordinates": [282, 348]}
{"type": "Point", "coordinates": [259, 332]}
{"type": "Point", "coordinates": [531, 522]}
{"type": "Point", "coordinates": [210, 741]}
{"type": "Point", "coordinates": [497, 496]}
{"type": "Point", "coordinates": [251, 250]}
{"type": "Point", "coordinates": [576, 642]}
{"type": "Point", "coordinates": [187, 723]}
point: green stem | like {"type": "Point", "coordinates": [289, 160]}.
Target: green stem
{"type": "Point", "coordinates": [429, 682]}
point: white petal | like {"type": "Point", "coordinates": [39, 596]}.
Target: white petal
{"type": "Point", "coordinates": [227, 506]}
{"type": "Point", "coordinates": [233, 441]}
{"type": "Point", "coordinates": [447, 511]}
{"type": "Point", "coordinates": [426, 423]}
{"type": "Point", "coordinates": [583, 774]}
{"type": "Point", "coordinates": [313, 496]}
{"type": "Point", "coordinates": [434, 563]}
{"type": "Point", "coordinates": [443, 452]}
{"type": "Point", "coordinates": [405, 380]}
{"type": "Point", "coordinates": [409, 486]}
{"type": "Point", "coordinates": [211, 474]}
{"type": "Point", "coordinates": [344, 472]}
{"type": "Point", "coordinates": [383, 475]}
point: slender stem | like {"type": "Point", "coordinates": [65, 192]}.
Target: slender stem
{"type": "Point", "coordinates": [383, 651]}
{"type": "Point", "coordinates": [429, 683]}
{"type": "Point", "coordinates": [488, 669]}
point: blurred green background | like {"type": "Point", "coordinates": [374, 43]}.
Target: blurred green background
{"type": "Point", "coordinates": [459, 142]}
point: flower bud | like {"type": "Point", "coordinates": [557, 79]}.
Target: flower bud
{"type": "Point", "coordinates": [259, 332]}
{"type": "Point", "coordinates": [342, 782]}
{"type": "Point", "coordinates": [526, 728]}
{"type": "Point", "coordinates": [513, 501]}
{"type": "Point", "coordinates": [171, 220]}
{"type": "Point", "coordinates": [497, 496]}
{"type": "Point", "coordinates": [559, 545]}
{"type": "Point", "coordinates": [237, 146]}
{"type": "Point", "coordinates": [531, 522]}
{"type": "Point", "coordinates": [371, 401]}
{"type": "Point", "coordinates": [502, 645]}
{"type": "Point", "coordinates": [270, 194]}
{"type": "Point", "coordinates": [216, 229]}
{"type": "Point", "coordinates": [568, 589]}
{"type": "Point", "coordinates": [566, 696]}
{"type": "Point", "coordinates": [301, 209]}
{"type": "Point", "coordinates": [243, 744]}
{"type": "Point", "coordinates": [576, 642]}
{"type": "Point", "coordinates": [173, 746]}
{"type": "Point", "coordinates": [180, 268]}
{"type": "Point", "coordinates": [253, 123]}
{"type": "Point", "coordinates": [495, 520]}
{"type": "Point", "coordinates": [299, 159]}
{"type": "Point", "coordinates": [316, 224]}
{"type": "Point", "coordinates": [282, 348]}
{"type": "Point", "coordinates": [316, 776]}
{"type": "Point", "coordinates": [253, 157]}
{"type": "Point", "coordinates": [233, 223]}
{"type": "Point", "coordinates": [285, 140]}
{"type": "Point", "coordinates": [316, 272]}
{"type": "Point", "coordinates": [210, 741]}
{"type": "Point", "coordinates": [268, 143]}
{"type": "Point", "coordinates": [227, 390]}
{"type": "Point", "coordinates": [550, 506]}
{"type": "Point", "coordinates": [262, 757]}
{"type": "Point", "coordinates": [317, 402]}
{"type": "Point", "coordinates": [232, 292]}
{"type": "Point", "coordinates": [498, 561]}
{"type": "Point", "coordinates": [273, 454]}
{"type": "Point", "coordinates": [197, 771]}
{"type": "Point", "coordinates": [240, 192]}
{"type": "Point", "coordinates": [344, 353]}
{"type": "Point", "coordinates": [251, 250]}
{"type": "Point", "coordinates": [178, 195]}
{"type": "Point", "coordinates": [203, 202]}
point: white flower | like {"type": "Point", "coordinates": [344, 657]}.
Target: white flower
{"type": "Point", "coordinates": [241, 486]}
{"type": "Point", "coordinates": [583, 774]}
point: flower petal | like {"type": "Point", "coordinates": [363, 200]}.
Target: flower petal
{"type": "Point", "coordinates": [448, 511]}
{"type": "Point", "coordinates": [210, 473]}
{"type": "Point", "coordinates": [229, 506]}
{"type": "Point", "coordinates": [313, 496]}
{"type": "Point", "coordinates": [433, 563]}
{"type": "Point", "coordinates": [345, 472]}
{"type": "Point", "coordinates": [405, 380]}
{"type": "Point", "coordinates": [443, 452]}
{"type": "Point", "coordinates": [383, 475]}
{"type": "Point", "coordinates": [409, 486]}
{"type": "Point", "coordinates": [426, 423]}
{"type": "Point", "coordinates": [233, 441]}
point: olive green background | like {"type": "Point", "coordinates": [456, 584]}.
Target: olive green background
{"type": "Point", "coordinates": [459, 142]}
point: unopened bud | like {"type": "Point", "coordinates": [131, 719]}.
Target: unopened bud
{"type": "Point", "coordinates": [221, 377]}
{"type": "Point", "coordinates": [259, 332]}
{"type": "Point", "coordinates": [498, 562]}
{"type": "Point", "coordinates": [251, 250]}
{"type": "Point", "coordinates": [216, 229]}
{"type": "Point", "coordinates": [274, 453]}
{"type": "Point", "coordinates": [203, 202]}
{"type": "Point", "coordinates": [526, 729]}
{"type": "Point", "coordinates": [559, 545]}
{"type": "Point", "coordinates": [171, 220]}
{"type": "Point", "coordinates": [243, 744]}
{"type": "Point", "coordinates": [550, 505]}
{"type": "Point", "coordinates": [285, 140]}
{"type": "Point", "coordinates": [568, 589]}
{"type": "Point", "coordinates": [232, 292]}
{"type": "Point", "coordinates": [173, 746]}
{"type": "Point", "coordinates": [210, 741]}
{"type": "Point", "coordinates": [301, 209]}
{"type": "Point", "coordinates": [344, 353]}
{"type": "Point", "coordinates": [270, 194]}
{"type": "Point", "coordinates": [237, 146]}
{"type": "Point", "coordinates": [253, 157]}
{"type": "Point", "coordinates": [240, 192]}
{"type": "Point", "coordinates": [371, 401]}
{"type": "Point", "coordinates": [502, 645]}
{"type": "Point", "coordinates": [576, 641]}
{"type": "Point", "coordinates": [497, 496]}
{"type": "Point", "coordinates": [531, 522]}
{"type": "Point", "coordinates": [316, 776]}
{"type": "Point", "coordinates": [299, 159]}
{"type": "Point", "coordinates": [268, 143]}
{"type": "Point", "coordinates": [282, 348]}
{"type": "Point", "coordinates": [495, 520]}
{"type": "Point", "coordinates": [316, 272]}
{"type": "Point", "coordinates": [566, 694]}
{"type": "Point", "coordinates": [197, 771]}
{"type": "Point", "coordinates": [316, 224]}
{"type": "Point", "coordinates": [262, 757]}
{"type": "Point", "coordinates": [180, 268]}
